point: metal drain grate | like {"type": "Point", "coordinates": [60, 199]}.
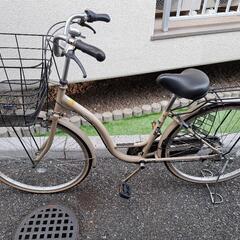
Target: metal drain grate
{"type": "Point", "coordinates": [49, 222]}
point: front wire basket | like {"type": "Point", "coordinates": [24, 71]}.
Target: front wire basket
{"type": "Point", "coordinates": [25, 65]}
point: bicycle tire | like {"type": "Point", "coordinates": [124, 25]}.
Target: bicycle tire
{"type": "Point", "coordinates": [66, 164]}
{"type": "Point", "coordinates": [219, 124]}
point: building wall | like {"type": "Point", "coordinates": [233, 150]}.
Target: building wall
{"type": "Point", "coordinates": [126, 40]}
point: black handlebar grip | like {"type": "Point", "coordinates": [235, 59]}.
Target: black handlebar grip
{"type": "Point", "coordinates": [94, 17]}
{"type": "Point", "coordinates": [90, 50]}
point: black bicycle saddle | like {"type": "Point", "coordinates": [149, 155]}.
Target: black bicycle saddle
{"type": "Point", "coordinates": [191, 83]}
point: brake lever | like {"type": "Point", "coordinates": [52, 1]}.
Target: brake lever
{"type": "Point", "coordinates": [83, 24]}
{"type": "Point", "coordinates": [72, 55]}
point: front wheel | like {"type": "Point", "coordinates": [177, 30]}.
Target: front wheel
{"type": "Point", "coordinates": [66, 164]}
{"type": "Point", "coordinates": [219, 125]}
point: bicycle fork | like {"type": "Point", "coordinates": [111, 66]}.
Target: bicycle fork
{"type": "Point", "coordinates": [54, 121]}
{"type": "Point", "coordinates": [48, 143]}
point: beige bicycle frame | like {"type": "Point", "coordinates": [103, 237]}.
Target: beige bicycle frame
{"type": "Point", "coordinates": [63, 101]}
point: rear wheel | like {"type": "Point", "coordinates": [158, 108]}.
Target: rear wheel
{"type": "Point", "coordinates": [219, 126]}
{"type": "Point", "coordinates": [66, 164]}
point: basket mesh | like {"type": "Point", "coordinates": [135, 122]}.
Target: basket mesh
{"type": "Point", "coordinates": [25, 63]}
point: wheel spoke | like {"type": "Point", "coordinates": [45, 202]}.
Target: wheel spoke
{"type": "Point", "coordinates": [65, 164]}
{"type": "Point", "coordinates": [220, 127]}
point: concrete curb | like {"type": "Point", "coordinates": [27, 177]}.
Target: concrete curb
{"type": "Point", "coordinates": [125, 113]}
{"type": "Point", "coordinates": [147, 109]}
{"type": "Point", "coordinates": [98, 143]}
{"type": "Point", "coordinates": [13, 144]}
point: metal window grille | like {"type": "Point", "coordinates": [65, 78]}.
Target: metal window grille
{"type": "Point", "coordinates": [174, 10]}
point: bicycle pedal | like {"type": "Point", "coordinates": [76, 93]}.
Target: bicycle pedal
{"type": "Point", "coordinates": [124, 190]}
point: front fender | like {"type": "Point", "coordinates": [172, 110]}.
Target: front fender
{"type": "Point", "coordinates": [84, 138]}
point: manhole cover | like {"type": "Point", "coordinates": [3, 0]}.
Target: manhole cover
{"type": "Point", "coordinates": [49, 222]}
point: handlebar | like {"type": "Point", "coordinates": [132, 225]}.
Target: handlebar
{"type": "Point", "coordinates": [71, 37]}
{"type": "Point", "coordinates": [87, 16]}
{"type": "Point", "coordinates": [94, 17]}
{"type": "Point", "coordinates": [80, 45]}
{"type": "Point", "coordinates": [90, 50]}
{"type": "Point", "coordinates": [81, 17]}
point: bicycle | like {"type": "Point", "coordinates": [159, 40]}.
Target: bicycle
{"type": "Point", "coordinates": [201, 145]}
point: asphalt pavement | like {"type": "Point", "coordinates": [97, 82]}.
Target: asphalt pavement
{"type": "Point", "coordinates": [161, 206]}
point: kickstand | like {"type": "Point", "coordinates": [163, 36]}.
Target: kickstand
{"type": "Point", "coordinates": [124, 188]}
{"type": "Point", "coordinates": [215, 197]}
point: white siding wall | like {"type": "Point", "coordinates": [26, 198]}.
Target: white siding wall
{"type": "Point", "coordinates": [126, 40]}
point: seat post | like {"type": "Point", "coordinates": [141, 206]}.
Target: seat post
{"type": "Point", "coordinates": [171, 102]}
